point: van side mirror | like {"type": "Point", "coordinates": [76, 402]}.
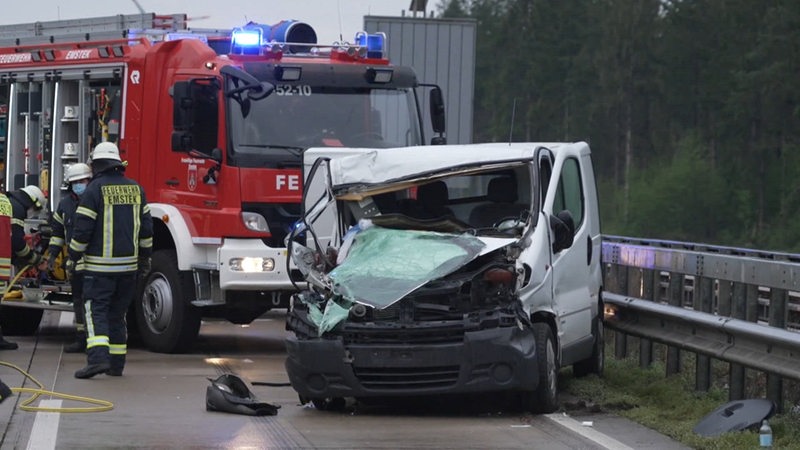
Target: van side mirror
{"type": "Point", "coordinates": [563, 227]}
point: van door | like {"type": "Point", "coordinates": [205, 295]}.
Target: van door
{"type": "Point", "coordinates": [571, 267]}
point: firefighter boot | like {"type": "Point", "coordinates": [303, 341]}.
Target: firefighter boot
{"type": "Point", "coordinates": [117, 365]}
{"type": "Point", "coordinates": [91, 370]}
{"type": "Point", "coordinates": [79, 346]}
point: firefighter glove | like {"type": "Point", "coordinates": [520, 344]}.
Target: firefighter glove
{"type": "Point", "coordinates": [51, 261]}
{"type": "Point", "coordinates": [34, 259]}
{"type": "Point", "coordinates": [69, 267]}
{"type": "Point", "coordinates": [145, 264]}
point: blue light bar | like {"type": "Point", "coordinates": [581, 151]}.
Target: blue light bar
{"type": "Point", "coordinates": [374, 43]}
{"type": "Point", "coordinates": [250, 37]}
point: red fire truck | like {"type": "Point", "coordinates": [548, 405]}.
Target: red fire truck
{"type": "Point", "coordinates": [213, 124]}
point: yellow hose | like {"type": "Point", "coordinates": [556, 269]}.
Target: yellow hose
{"type": "Point", "coordinates": [16, 278]}
{"type": "Point", "coordinates": [102, 405]}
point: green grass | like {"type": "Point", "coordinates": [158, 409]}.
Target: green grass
{"type": "Point", "coordinates": [670, 405]}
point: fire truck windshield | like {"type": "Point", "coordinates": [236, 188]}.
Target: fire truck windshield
{"type": "Point", "coordinates": [298, 116]}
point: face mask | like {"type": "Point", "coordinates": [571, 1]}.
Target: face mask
{"type": "Point", "coordinates": [79, 188]}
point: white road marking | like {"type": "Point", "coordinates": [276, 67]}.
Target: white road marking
{"type": "Point", "coordinates": [45, 427]}
{"type": "Point", "coordinates": [587, 432]}
{"type": "Point", "coordinates": [66, 319]}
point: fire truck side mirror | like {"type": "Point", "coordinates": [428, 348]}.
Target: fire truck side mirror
{"type": "Point", "coordinates": [437, 110]}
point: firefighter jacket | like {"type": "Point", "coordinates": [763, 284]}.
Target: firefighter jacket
{"type": "Point", "coordinates": [62, 223]}
{"type": "Point", "coordinates": [113, 228]}
{"type": "Point", "coordinates": [22, 253]}
{"type": "Point", "coordinates": [5, 239]}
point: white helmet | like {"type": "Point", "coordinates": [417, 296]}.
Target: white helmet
{"type": "Point", "coordinates": [36, 194]}
{"type": "Point", "coordinates": [79, 171]}
{"type": "Point", "coordinates": [106, 150]}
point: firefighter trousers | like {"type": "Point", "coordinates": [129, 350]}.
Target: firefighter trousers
{"type": "Point", "coordinates": [76, 285]}
{"type": "Point", "coordinates": [106, 300]}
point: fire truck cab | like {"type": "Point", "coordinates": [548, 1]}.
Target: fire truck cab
{"type": "Point", "coordinates": [213, 124]}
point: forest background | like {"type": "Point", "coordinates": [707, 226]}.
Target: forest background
{"type": "Point", "coordinates": [690, 107]}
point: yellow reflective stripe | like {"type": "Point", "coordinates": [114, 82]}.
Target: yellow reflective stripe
{"type": "Point", "coordinates": [108, 230]}
{"type": "Point", "coordinates": [15, 221]}
{"type": "Point", "coordinates": [24, 252]}
{"type": "Point", "coordinates": [112, 260]}
{"type": "Point", "coordinates": [146, 209]}
{"type": "Point", "coordinates": [111, 268]}
{"type": "Point", "coordinates": [137, 220]}
{"type": "Point", "coordinates": [57, 241]}
{"type": "Point", "coordinates": [78, 246]}
{"type": "Point", "coordinates": [146, 243]}
{"type": "Point", "coordinates": [117, 349]}
{"type": "Point", "coordinates": [58, 218]}
{"type": "Point", "coordinates": [80, 327]}
{"type": "Point", "coordinates": [86, 212]}
{"type": "Point", "coordinates": [97, 341]}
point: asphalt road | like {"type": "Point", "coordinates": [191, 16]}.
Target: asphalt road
{"type": "Point", "coordinates": [160, 403]}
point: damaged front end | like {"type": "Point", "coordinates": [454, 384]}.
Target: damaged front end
{"type": "Point", "coordinates": [401, 310]}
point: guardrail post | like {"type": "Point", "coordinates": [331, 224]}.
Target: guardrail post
{"type": "Point", "coordinates": [621, 339]}
{"type": "Point", "coordinates": [648, 293]}
{"type": "Point", "coordinates": [674, 298]}
{"type": "Point", "coordinates": [777, 318]}
{"type": "Point", "coordinates": [703, 300]}
{"type": "Point", "coordinates": [736, 372]}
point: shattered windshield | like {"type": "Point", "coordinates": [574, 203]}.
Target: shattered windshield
{"type": "Point", "coordinates": [383, 265]}
{"type": "Point", "coordinates": [299, 116]}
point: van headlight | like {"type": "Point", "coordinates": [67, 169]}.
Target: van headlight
{"type": "Point", "coordinates": [254, 221]}
{"type": "Point", "coordinates": [251, 264]}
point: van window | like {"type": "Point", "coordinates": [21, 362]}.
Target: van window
{"type": "Point", "coordinates": [570, 192]}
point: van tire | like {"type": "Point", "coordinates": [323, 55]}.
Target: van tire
{"type": "Point", "coordinates": [544, 399]}
{"type": "Point", "coordinates": [167, 320]}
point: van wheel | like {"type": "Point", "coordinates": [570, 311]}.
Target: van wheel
{"type": "Point", "coordinates": [325, 403]}
{"type": "Point", "coordinates": [596, 362]}
{"type": "Point", "coordinates": [168, 322]}
{"type": "Point", "coordinates": [545, 398]}
{"type": "Point", "coordinates": [20, 321]}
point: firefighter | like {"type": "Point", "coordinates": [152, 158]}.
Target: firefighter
{"type": "Point", "coordinates": [25, 203]}
{"type": "Point", "coordinates": [5, 258]}
{"type": "Point", "coordinates": [22, 203]}
{"type": "Point", "coordinates": [62, 222]}
{"type": "Point", "coordinates": [113, 233]}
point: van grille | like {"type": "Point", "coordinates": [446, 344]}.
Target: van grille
{"type": "Point", "coordinates": [405, 378]}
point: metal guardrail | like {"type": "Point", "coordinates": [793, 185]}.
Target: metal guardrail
{"type": "Point", "coordinates": [736, 305]}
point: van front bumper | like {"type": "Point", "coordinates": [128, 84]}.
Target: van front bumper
{"type": "Point", "coordinates": [487, 360]}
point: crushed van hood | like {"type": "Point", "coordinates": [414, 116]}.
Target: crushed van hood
{"type": "Point", "coordinates": [384, 265]}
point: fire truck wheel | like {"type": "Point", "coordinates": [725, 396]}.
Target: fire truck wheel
{"type": "Point", "coordinates": [168, 322]}
{"type": "Point", "coordinates": [20, 321]}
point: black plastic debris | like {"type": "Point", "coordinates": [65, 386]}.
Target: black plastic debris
{"type": "Point", "coordinates": [229, 393]}
{"type": "Point", "coordinates": [735, 416]}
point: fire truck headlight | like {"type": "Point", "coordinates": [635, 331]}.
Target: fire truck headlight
{"type": "Point", "coordinates": [254, 221]}
{"type": "Point", "coordinates": [251, 264]}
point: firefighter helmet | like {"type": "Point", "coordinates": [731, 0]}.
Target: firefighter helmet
{"type": "Point", "coordinates": [36, 195]}
{"type": "Point", "coordinates": [106, 150]}
{"type": "Point", "coordinates": [77, 172]}
{"type": "Point", "coordinates": [229, 393]}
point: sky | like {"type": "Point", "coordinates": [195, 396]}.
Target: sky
{"type": "Point", "coordinates": [325, 16]}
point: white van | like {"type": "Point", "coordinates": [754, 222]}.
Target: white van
{"type": "Point", "coordinates": [448, 269]}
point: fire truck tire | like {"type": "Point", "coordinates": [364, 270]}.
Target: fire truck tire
{"type": "Point", "coordinates": [19, 321]}
{"type": "Point", "coordinates": [168, 322]}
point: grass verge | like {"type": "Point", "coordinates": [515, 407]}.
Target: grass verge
{"type": "Point", "coordinates": [670, 405]}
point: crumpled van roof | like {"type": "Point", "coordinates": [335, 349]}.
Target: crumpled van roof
{"type": "Point", "coordinates": [374, 166]}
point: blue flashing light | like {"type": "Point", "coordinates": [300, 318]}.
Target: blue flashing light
{"type": "Point", "coordinates": [246, 37]}
{"type": "Point", "coordinates": [374, 43]}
